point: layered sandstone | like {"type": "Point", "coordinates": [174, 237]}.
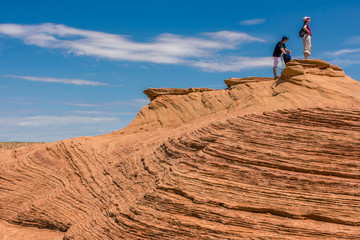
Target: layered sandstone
{"type": "Point", "coordinates": [316, 84]}
{"type": "Point", "coordinates": [260, 160]}
{"type": "Point", "coordinates": [152, 93]}
{"type": "Point", "coordinates": [235, 81]}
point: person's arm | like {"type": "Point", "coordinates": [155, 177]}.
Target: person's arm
{"type": "Point", "coordinates": [305, 29]}
{"type": "Point", "coordinates": [283, 50]}
{"type": "Point", "coordinates": [287, 50]}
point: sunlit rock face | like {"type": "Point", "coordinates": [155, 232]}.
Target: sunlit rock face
{"type": "Point", "coordinates": [261, 159]}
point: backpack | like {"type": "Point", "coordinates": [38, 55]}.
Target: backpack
{"type": "Point", "coordinates": [286, 57]}
{"type": "Point", "coordinates": [302, 32]}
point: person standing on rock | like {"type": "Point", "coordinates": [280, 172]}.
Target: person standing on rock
{"type": "Point", "coordinates": [307, 37]}
{"type": "Point", "coordinates": [279, 50]}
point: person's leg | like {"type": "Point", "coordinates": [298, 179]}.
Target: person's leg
{"type": "Point", "coordinates": [276, 61]}
{"type": "Point", "coordinates": [307, 46]}
{"type": "Point", "coordinates": [304, 43]}
{"type": "Point", "coordinates": [275, 72]}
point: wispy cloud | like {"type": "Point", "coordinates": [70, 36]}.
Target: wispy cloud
{"type": "Point", "coordinates": [343, 52]}
{"type": "Point", "coordinates": [234, 64]}
{"type": "Point", "coordinates": [38, 121]}
{"type": "Point", "coordinates": [343, 57]}
{"type": "Point", "coordinates": [344, 62]}
{"type": "Point", "coordinates": [255, 21]}
{"type": "Point", "coordinates": [81, 104]}
{"type": "Point", "coordinates": [165, 48]}
{"type": "Point", "coordinates": [58, 80]}
{"type": "Point", "coordinates": [103, 113]}
{"type": "Point", "coordinates": [132, 102]}
{"type": "Point", "coordinates": [347, 56]}
{"type": "Point", "coordinates": [53, 128]}
{"type": "Point", "coordinates": [353, 40]}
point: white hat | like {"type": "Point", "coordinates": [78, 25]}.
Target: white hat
{"type": "Point", "coordinates": [305, 18]}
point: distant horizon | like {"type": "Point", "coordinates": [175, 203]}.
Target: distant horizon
{"type": "Point", "coordinates": [79, 68]}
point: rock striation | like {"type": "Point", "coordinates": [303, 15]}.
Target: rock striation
{"type": "Point", "coordinates": [235, 81]}
{"type": "Point", "coordinates": [152, 93]}
{"type": "Point", "coordinates": [313, 67]}
{"type": "Point", "coordinates": [303, 83]}
{"type": "Point", "coordinates": [260, 160]}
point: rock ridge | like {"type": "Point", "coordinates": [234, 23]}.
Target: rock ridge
{"type": "Point", "coordinates": [303, 83]}
{"type": "Point", "coordinates": [293, 68]}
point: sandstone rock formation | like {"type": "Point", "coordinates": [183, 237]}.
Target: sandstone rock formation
{"type": "Point", "coordinates": [152, 93]}
{"type": "Point", "coordinates": [314, 67]}
{"type": "Point", "coordinates": [260, 160]}
{"type": "Point", "coordinates": [235, 81]}
{"type": "Point", "coordinates": [318, 84]}
{"type": "Point", "coordinates": [13, 232]}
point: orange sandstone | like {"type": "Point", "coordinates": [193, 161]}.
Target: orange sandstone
{"type": "Point", "coordinates": [260, 160]}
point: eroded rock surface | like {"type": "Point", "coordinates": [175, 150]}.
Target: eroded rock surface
{"type": "Point", "coordinates": [235, 81]}
{"type": "Point", "coordinates": [311, 67]}
{"type": "Point", "coordinates": [303, 83]}
{"type": "Point", "coordinates": [13, 232]}
{"type": "Point", "coordinates": [260, 160]}
{"type": "Point", "coordinates": [152, 93]}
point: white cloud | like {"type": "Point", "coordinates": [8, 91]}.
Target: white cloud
{"type": "Point", "coordinates": [141, 101]}
{"type": "Point", "coordinates": [342, 52]}
{"type": "Point", "coordinates": [255, 21]}
{"type": "Point", "coordinates": [41, 121]}
{"type": "Point", "coordinates": [58, 80]}
{"type": "Point", "coordinates": [104, 113]}
{"type": "Point", "coordinates": [165, 48]}
{"type": "Point", "coordinates": [81, 104]}
{"type": "Point", "coordinates": [54, 128]}
{"type": "Point", "coordinates": [343, 57]}
{"type": "Point", "coordinates": [343, 62]}
{"type": "Point", "coordinates": [133, 102]}
{"type": "Point", "coordinates": [234, 64]}
{"type": "Point", "coordinates": [233, 38]}
{"type": "Point", "coordinates": [354, 40]}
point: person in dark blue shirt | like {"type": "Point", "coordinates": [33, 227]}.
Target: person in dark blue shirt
{"type": "Point", "coordinates": [280, 49]}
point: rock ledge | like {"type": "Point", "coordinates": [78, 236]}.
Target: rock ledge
{"type": "Point", "coordinates": [152, 93]}
{"type": "Point", "coordinates": [313, 66]}
{"type": "Point", "coordinates": [235, 81]}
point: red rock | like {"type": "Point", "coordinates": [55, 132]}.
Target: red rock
{"type": "Point", "coordinates": [292, 71]}
{"type": "Point", "coordinates": [311, 67]}
{"type": "Point", "coordinates": [152, 93]}
{"type": "Point", "coordinates": [235, 81]}
{"type": "Point", "coordinates": [13, 232]}
{"type": "Point", "coordinates": [260, 160]}
{"type": "Point", "coordinates": [310, 62]}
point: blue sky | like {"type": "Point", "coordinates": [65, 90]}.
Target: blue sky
{"type": "Point", "coordinates": [78, 68]}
